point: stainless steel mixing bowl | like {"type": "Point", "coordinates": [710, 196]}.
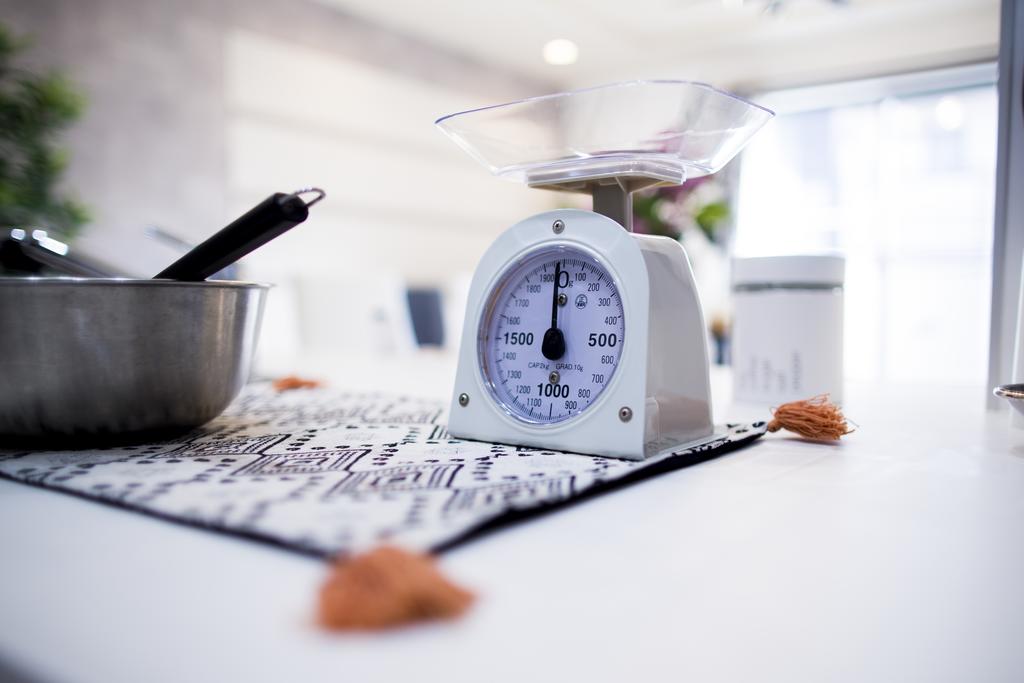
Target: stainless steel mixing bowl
{"type": "Point", "coordinates": [115, 359]}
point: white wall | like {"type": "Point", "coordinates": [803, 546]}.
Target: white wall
{"type": "Point", "coordinates": [404, 205]}
{"type": "Point", "coordinates": [199, 109]}
{"type": "Point", "coordinates": [400, 195]}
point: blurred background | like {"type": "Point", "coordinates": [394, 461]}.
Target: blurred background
{"type": "Point", "coordinates": [191, 111]}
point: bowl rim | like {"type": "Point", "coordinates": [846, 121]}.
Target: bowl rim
{"type": "Point", "coordinates": [677, 83]}
{"type": "Point", "coordinates": [127, 282]}
{"type": "Point", "coordinates": [1010, 391]}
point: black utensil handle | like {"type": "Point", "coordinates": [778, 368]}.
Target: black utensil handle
{"type": "Point", "coordinates": [276, 214]}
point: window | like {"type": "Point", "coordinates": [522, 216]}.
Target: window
{"type": "Point", "coordinates": [899, 176]}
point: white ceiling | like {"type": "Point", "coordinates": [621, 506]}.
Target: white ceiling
{"type": "Point", "coordinates": [729, 42]}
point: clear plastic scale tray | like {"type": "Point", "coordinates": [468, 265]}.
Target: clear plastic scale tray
{"type": "Point", "coordinates": [640, 132]}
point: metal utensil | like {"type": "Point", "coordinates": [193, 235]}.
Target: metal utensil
{"type": "Point", "coordinates": [1014, 395]}
{"type": "Point", "coordinates": [33, 250]}
{"type": "Point", "coordinates": [123, 359]}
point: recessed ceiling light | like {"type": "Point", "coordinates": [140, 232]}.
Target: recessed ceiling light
{"type": "Point", "coordinates": [560, 52]}
{"type": "Point", "coordinates": [949, 113]}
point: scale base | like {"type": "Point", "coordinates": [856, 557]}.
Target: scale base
{"type": "Point", "coordinates": [718, 433]}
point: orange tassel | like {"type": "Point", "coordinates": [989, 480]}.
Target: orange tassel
{"type": "Point", "coordinates": [815, 418]}
{"type": "Point", "coordinates": [388, 587]}
{"type": "Point", "coordinates": [292, 382]}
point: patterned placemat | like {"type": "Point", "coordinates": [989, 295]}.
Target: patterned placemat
{"type": "Point", "coordinates": [328, 473]}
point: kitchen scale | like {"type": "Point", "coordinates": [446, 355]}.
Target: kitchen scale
{"type": "Point", "coordinates": [581, 335]}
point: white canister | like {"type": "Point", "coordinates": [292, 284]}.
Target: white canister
{"type": "Point", "coordinates": [787, 341]}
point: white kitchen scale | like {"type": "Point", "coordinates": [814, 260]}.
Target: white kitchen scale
{"type": "Point", "coordinates": [581, 335]}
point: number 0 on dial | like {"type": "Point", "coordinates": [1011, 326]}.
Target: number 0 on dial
{"type": "Point", "coordinates": [551, 335]}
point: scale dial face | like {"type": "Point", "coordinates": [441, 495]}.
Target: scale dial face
{"type": "Point", "coordinates": [551, 335]}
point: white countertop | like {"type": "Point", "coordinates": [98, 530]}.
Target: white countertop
{"type": "Point", "coordinates": [895, 556]}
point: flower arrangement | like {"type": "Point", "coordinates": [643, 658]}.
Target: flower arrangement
{"type": "Point", "coordinates": [671, 211]}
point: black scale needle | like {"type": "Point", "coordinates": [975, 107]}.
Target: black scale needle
{"type": "Point", "coordinates": [553, 346]}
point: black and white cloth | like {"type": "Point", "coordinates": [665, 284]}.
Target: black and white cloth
{"type": "Point", "coordinates": [330, 473]}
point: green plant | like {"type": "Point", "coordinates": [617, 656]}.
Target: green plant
{"type": "Point", "coordinates": [34, 109]}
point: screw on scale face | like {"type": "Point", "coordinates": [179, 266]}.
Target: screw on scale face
{"type": "Point", "coordinates": [558, 227]}
{"type": "Point", "coordinates": [625, 414]}
{"type": "Point", "coordinates": [463, 400]}
{"type": "Point", "coordinates": [554, 377]}
{"type": "Point", "coordinates": [562, 299]}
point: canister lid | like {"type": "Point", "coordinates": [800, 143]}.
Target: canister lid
{"type": "Point", "coordinates": [814, 270]}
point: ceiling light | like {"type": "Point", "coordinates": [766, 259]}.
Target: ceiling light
{"type": "Point", "coordinates": [949, 113]}
{"type": "Point", "coordinates": [560, 52]}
